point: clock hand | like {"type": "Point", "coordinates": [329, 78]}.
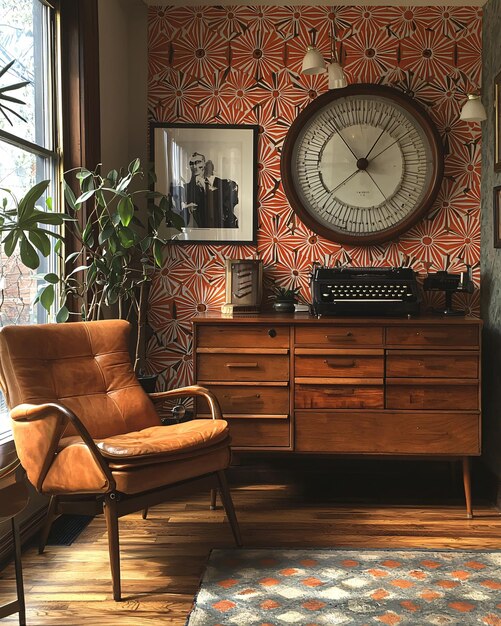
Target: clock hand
{"type": "Point", "coordinates": [333, 125]}
{"type": "Point", "coordinates": [379, 188]}
{"type": "Point", "coordinates": [391, 144]}
{"type": "Point", "coordinates": [379, 137]}
{"type": "Point", "coordinates": [344, 181]}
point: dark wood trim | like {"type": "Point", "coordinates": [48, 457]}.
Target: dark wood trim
{"type": "Point", "coordinates": [81, 106]}
{"type": "Point", "coordinates": [80, 83]}
{"type": "Point", "coordinates": [28, 529]}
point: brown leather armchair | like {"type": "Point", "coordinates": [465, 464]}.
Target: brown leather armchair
{"type": "Point", "coordinates": [90, 437]}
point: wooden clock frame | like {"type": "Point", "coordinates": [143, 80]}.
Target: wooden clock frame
{"type": "Point", "coordinates": [409, 105]}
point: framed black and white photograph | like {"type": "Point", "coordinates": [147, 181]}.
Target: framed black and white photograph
{"type": "Point", "coordinates": [497, 123]}
{"type": "Point", "coordinates": [496, 201]}
{"type": "Point", "coordinates": [209, 172]}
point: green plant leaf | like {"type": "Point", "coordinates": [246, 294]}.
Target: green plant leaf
{"type": "Point", "coordinates": [69, 196]}
{"type": "Point", "coordinates": [112, 177]}
{"type": "Point", "coordinates": [126, 237]}
{"type": "Point", "coordinates": [85, 196]}
{"type": "Point", "coordinates": [145, 244]}
{"type": "Point", "coordinates": [48, 203]}
{"type": "Point", "coordinates": [5, 69]}
{"type": "Point", "coordinates": [158, 252]}
{"type": "Point", "coordinates": [62, 315]}
{"type": "Point", "coordinates": [28, 254]}
{"type": "Point", "coordinates": [83, 174]}
{"type": "Point", "coordinates": [106, 233]}
{"type": "Point", "coordinates": [135, 166]}
{"type": "Point", "coordinates": [51, 278]}
{"type": "Point", "coordinates": [47, 297]}
{"type": "Point", "coordinates": [125, 210]}
{"type": "Point", "coordinates": [27, 203]}
{"type": "Point", "coordinates": [80, 268]}
{"type": "Point", "coordinates": [40, 240]}
{"type": "Point", "coordinates": [58, 246]}
{"type": "Point", "coordinates": [10, 242]}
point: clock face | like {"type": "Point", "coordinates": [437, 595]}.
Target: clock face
{"type": "Point", "coordinates": [362, 164]}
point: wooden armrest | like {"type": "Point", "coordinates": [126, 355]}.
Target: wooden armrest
{"type": "Point", "coordinates": [34, 412]}
{"type": "Point", "coordinates": [192, 390]}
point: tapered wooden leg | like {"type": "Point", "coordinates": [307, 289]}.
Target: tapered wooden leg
{"type": "Point", "coordinates": [19, 572]}
{"type": "Point", "coordinates": [49, 519]}
{"type": "Point", "coordinates": [213, 497]}
{"type": "Point", "coordinates": [145, 513]}
{"type": "Point", "coordinates": [224, 492]}
{"type": "Point", "coordinates": [467, 486]}
{"type": "Point", "coordinates": [111, 515]}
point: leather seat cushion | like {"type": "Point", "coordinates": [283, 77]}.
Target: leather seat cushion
{"type": "Point", "coordinates": [145, 477]}
{"type": "Point", "coordinates": [152, 444]}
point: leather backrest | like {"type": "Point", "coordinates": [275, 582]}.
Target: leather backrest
{"type": "Point", "coordinates": [83, 365]}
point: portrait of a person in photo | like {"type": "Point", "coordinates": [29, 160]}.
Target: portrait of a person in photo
{"type": "Point", "coordinates": [206, 201]}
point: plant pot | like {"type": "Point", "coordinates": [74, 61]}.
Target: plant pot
{"type": "Point", "coordinates": [148, 382]}
{"type": "Point", "coordinates": [284, 306]}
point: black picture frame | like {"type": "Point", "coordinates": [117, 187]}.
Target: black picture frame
{"type": "Point", "coordinates": [496, 205]}
{"type": "Point", "coordinates": [497, 123]}
{"type": "Point", "coordinates": [209, 171]}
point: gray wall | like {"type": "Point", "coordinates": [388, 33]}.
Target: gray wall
{"type": "Point", "coordinates": [123, 76]}
{"type": "Point", "coordinates": [490, 257]}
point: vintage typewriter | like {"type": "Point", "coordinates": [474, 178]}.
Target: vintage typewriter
{"type": "Point", "coordinates": [364, 291]}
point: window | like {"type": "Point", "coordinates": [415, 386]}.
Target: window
{"type": "Point", "coordinates": [29, 151]}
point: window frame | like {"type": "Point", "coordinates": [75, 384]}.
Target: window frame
{"type": "Point", "coordinates": [52, 130]}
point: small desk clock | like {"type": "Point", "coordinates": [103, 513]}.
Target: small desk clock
{"type": "Point", "coordinates": [244, 284]}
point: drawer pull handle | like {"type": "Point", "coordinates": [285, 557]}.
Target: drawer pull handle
{"type": "Point", "coordinates": [339, 392]}
{"type": "Point", "coordinates": [347, 336]}
{"type": "Point", "coordinates": [240, 364]}
{"type": "Point", "coordinates": [272, 333]}
{"type": "Point", "coordinates": [252, 397]}
{"type": "Point", "coordinates": [339, 363]}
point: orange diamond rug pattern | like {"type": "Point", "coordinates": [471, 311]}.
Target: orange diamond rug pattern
{"type": "Point", "coordinates": [350, 587]}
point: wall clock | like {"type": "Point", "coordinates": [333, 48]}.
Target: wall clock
{"type": "Point", "coordinates": [362, 164]}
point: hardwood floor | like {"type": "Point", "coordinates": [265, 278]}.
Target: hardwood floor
{"type": "Point", "coordinates": [163, 557]}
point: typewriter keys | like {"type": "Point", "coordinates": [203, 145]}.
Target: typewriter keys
{"type": "Point", "coordinates": [362, 164]}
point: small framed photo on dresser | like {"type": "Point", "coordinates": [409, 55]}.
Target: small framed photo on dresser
{"type": "Point", "coordinates": [496, 203]}
{"type": "Point", "coordinates": [497, 123]}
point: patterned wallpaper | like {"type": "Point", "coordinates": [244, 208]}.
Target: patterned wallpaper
{"type": "Point", "coordinates": [241, 65]}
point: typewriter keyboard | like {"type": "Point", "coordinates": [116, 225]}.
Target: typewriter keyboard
{"type": "Point", "coordinates": [384, 292]}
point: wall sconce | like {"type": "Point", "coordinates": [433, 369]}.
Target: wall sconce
{"type": "Point", "coordinates": [314, 63]}
{"type": "Point", "coordinates": [473, 110]}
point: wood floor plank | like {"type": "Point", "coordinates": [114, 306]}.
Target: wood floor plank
{"type": "Point", "coordinates": [164, 556]}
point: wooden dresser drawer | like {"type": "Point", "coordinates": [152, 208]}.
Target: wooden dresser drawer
{"type": "Point", "coordinates": [433, 336]}
{"type": "Point", "coordinates": [339, 396]}
{"type": "Point", "coordinates": [242, 336]}
{"type": "Point", "coordinates": [434, 395]}
{"type": "Point", "coordinates": [392, 432]}
{"type": "Point", "coordinates": [339, 365]}
{"type": "Point", "coordinates": [249, 400]}
{"type": "Point", "coordinates": [237, 367]}
{"type": "Point", "coordinates": [259, 433]}
{"type": "Point", "coordinates": [339, 336]}
{"type": "Point", "coordinates": [415, 363]}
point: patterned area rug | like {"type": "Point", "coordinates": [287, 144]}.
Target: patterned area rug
{"type": "Point", "coordinates": [314, 587]}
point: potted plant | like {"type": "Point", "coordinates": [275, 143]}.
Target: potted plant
{"type": "Point", "coordinates": [117, 254]}
{"type": "Point", "coordinates": [284, 299]}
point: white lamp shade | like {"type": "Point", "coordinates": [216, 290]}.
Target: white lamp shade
{"type": "Point", "coordinates": [313, 62]}
{"type": "Point", "coordinates": [473, 110]}
{"type": "Point", "coordinates": [337, 79]}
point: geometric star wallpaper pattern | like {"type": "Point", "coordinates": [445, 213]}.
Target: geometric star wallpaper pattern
{"type": "Point", "coordinates": [241, 65]}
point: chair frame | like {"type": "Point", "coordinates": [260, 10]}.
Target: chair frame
{"type": "Point", "coordinates": [18, 605]}
{"type": "Point", "coordinates": [113, 503]}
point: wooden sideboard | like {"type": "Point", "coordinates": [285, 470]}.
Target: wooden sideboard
{"type": "Point", "coordinates": [364, 386]}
